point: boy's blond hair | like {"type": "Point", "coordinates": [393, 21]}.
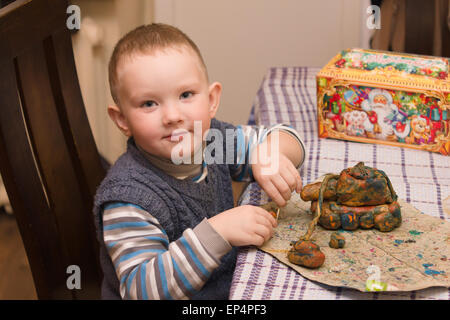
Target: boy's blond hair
{"type": "Point", "coordinates": [145, 40]}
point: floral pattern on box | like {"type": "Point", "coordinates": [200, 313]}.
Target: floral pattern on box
{"type": "Point", "coordinates": [366, 60]}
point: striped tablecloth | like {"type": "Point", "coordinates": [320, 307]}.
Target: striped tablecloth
{"type": "Point", "coordinates": [288, 95]}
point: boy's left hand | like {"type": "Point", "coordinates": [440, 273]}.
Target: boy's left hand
{"type": "Point", "coordinates": [277, 176]}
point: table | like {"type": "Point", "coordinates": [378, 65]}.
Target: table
{"type": "Point", "coordinates": [288, 95]}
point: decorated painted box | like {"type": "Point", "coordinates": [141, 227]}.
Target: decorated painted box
{"type": "Point", "coordinates": [386, 97]}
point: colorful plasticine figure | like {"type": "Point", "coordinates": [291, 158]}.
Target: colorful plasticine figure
{"type": "Point", "coordinates": [337, 241]}
{"type": "Point", "coordinates": [359, 197]}
{"type": "Point", "coordinates": [307, 254]}
{"type": "Point", "coordinates": [384, 217]}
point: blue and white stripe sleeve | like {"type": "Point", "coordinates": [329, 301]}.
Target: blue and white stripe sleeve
{"type": "Point", "coordinates": [146, 264]}
{"type": "Point", "coordinates": [247, 138]}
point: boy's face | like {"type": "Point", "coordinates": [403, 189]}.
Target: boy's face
{"type": "Point", "coordinates": [161, 95]}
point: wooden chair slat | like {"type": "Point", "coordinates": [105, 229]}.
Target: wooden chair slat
{"type": "Point", "coordinates": [28, 22]}
{"type": "Point", "coordinates": [21, 178]}
{"type": "Point", "coordinates": [72, 101]}
{"type": "Point", "coordinates": [57, 168]}
{"type": "Point", "coordinates": [48, 157]}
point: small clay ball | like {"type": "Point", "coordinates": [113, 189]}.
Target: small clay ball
{"type": "Point", "coordinates": [366, 221]}
{"type": "Point", "coordinates": [307, 254]}
{"type": "Point", "coordinates": [349, 221]}
{"type": "Point", "coordinates": [337, 240]}
{"type": "Point", "coordinates": [385, 222]}
{"type": "Point", "coordinates": [330, 220]}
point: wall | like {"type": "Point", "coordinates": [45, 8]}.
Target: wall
{"type": "Point", "coordinates": [240, 40]}
{"type": "Point", "coordinates": [103, 23]}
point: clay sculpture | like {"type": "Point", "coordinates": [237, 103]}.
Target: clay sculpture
{"type": "Point", "coordinates": [337, 241]}
{"type": "Point", "coordinates": [359, 197]}
{"type": "Point", "coordinates": [307, 254]}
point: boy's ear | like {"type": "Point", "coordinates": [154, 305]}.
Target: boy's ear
{"type": "Point", "coordinates": [119, 119]}
{"type": "Point", "coordinates": [215, 90]}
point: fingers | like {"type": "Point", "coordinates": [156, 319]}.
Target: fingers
{"type": "Point", "coordinates": [259, 226]}
{"type": "Point", "coordinates": [264, 231]}
{"type": "Point", "coordinates": [288, 180]}
{"type": "Point", "coordinates": [258, 240]}
{"type": "Point", "coordinates": [298, 179]}
{"type": "Point", "coordinates": [264, 213]}
{"type": "Point", "coordinates": [283, 188]}
{"type": "Point", "coordinates": [263, 228]}
{"type": "Point", "coordinates": [288, 174]}
{"type": "Point", "coordinates": [273, 193]}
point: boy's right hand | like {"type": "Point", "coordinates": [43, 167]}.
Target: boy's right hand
{"type": "Point", "coordinates": [244, 225]}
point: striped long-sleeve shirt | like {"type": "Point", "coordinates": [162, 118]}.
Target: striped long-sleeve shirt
{"type": "Point", "coordinates": [147, 265]}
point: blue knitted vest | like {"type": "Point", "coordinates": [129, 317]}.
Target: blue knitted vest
{"type": "Point", "coordinates": [177, 204]}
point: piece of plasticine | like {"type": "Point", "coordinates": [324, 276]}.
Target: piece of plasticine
{"type": "Point", "coordinates": [307, 254]}
{"type": "Point", "coordinates": [337, 241]}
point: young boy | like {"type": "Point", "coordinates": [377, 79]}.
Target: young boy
{"type": "Point", "coordinates": [168, 231]}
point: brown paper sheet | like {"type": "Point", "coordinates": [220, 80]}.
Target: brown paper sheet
{"type": "Point", "coordinates": [414, 256]}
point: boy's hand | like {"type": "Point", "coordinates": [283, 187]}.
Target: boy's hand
{"type": "Point", "coordinates": [244, 225]}
{"type": "Point", "coordinates": [277, 176]}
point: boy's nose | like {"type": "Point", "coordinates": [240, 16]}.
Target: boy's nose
{"type": "Point", "coordinates": [171, 114]}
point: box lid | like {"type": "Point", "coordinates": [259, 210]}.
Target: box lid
{"type": "Point", "coordinates": [378, 68]}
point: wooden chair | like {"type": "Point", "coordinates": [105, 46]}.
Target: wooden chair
{"type": "Point", "coordinates": [48, 157]}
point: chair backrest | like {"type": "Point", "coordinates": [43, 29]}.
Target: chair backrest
{"type": "Point", "coordinates": [48, 158]}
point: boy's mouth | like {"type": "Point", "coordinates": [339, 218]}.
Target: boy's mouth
{"type": "Point", "coordinates": [176, 135]}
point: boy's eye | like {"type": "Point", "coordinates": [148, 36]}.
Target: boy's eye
{"type": "Point", "coordinates": [186, 94]}
{"type": "Point", "coordinates": [149, 103]}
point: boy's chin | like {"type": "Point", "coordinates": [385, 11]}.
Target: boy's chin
{"type": "Point", "coordinates": [186, 155]}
